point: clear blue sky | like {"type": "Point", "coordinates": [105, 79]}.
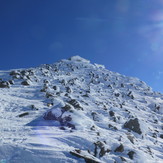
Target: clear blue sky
{"type": "Point", "coordinates": [124, 35]}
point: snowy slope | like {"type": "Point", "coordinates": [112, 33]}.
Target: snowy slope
{"type": "Point", "coordinates": [74, 111]}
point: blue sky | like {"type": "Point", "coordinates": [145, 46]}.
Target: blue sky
{"type": "Point", "coordinates": [124, 35]}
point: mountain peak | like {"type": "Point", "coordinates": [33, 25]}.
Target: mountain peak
{"type": "Point", "coordinates": [79, 59]}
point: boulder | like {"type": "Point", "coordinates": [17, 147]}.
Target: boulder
{"type": "Point", "coordinates": [4, 84]}
{"type": "Point", "coordinates": [133, 124]}
{"type": "Point", "coordinates": [111, 113]}
{"type": "Point", "coordinates": [131, 154]}
{"type": "Point", "coordinates": [25, 82]}
{"type": "Point", "coordinates": [119, 148]}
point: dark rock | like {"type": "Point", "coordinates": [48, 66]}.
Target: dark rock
{"type": "Point", "coordinates": [100, 150]}
{"type": "Point", "coordinates": [43, 89]}
{"type": "Point", "coordinates": [11, 81]}
{"type": "Point", "coordinates": [23, 114]}
{"type": "Point", "coordinates": [67, 107]}
{"type": "Point", "coordinates": [133, 124]}
{"type": "Point", "coordinates": [14, 73]}
{"type": "Point", "coordinates": [130, 95]}
{"type": "Point", "coordinates": [48, 95]}
{"type": "Point", "coordinates": [131, 154]}
{"type": "Point", "coordinates": [122, 85]}
{"type": "Point", "coordinates": [33, 107]}
{"type": "Point", "coordinates": [58, 93]}
{"type": "Point", "coordinates": [75, 104]}
{"type": "Point", "coordinates": [119, 149]}
{"type": "Point", "coordinates": [4, 84]}
{"type": "Point", "coordinates": [72, 126]}
{"type": "Point", "coordinates": [62, 128]}
{"type": "Point", "coordinates": [122, 158]}
{"type": "Point", "coordinates": [95, 116]}
{"type": "Point", "coordinates": [117, 94]}
{"type": "Point", "coordinates": [111, 113]}
{"type": "Point", "coordinates": [55, 87]}
{"type": "Point", "coordinates": [26, 83]}
{"type": "Point", "coordinates": [86, 95]}
{"type": "Point", "coordinates": [93, 128]}
{"type": "Point", "coordinates": [46, 81]}
{"type": "Point", "coordinates": [112, 127]}
{"type": "Point", "coordinates": [68, 90]}
{"type": "Point", "coordinates": [161, 136]}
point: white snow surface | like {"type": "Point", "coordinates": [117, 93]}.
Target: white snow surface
{"type": "Point", "coordinates": [74, 111]}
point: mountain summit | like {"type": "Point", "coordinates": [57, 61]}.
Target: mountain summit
{"type": "Point", "coordinates": [74, 111]}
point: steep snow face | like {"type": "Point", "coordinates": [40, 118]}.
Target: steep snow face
{"type": "Point", "coordinates": [74, 111]}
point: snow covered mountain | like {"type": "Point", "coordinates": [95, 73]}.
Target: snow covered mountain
{"type": "Point", "coordinates": [74, 111]}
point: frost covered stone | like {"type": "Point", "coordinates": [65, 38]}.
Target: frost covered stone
{"type": "Point", "coordinates": [133, 124]}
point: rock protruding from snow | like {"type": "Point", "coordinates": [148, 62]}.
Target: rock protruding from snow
{"type": "Point", "coordinates": [133, 124]}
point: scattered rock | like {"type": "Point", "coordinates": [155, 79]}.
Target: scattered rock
{"type": "Point", "coordinates": [111, 113]}
{"type": "Point", "coordinates": [11, 81]}
{"type": "Point", "coordinates": [23, 114]}
{"type": "Point", "coordinates": [161, 136]}
{"type": "Point", "coordinates": [112, 127]}
{"type": "Point", "coordinates": [133, 124]}
{"type": "Point", "coordinates": [88, 158]}
{"type": "Point", "coordinates": [55, 87]}
{"type": "Point", "coordinates": [117, 94]}
{"type": "Point", "coordinates": [100, 150]}
{"type": "Point", "coordinates": [14, 73]}
{"type": "Point", "coordinates": [131, 154]}
{"type": "Point", "coordinates": [131, 138]}
{"type": "Point", "coordinates": [119, 149]}
{"type": "Point", "coordinates": [26, 83]}
{"type": "Point", "coordinates": [130, 94]}
{"type": "Point", "coordinates": [33, 107]}
{"type": "Point", "coordinates": [48, 95]}
{"type": "Point", "coordinates": [4, 84]}
{"type": "Point", "coordinates": [122, 85]}
{"type": "Point", "coordinates": [95, 116]}
{"type": "Point", "coordinates": [68, 90]}
{"type": "Point", "coordinates": [67, 107]}
{"type": "Point", "coordinates": [123, 159]}
{"type": "Point", "coordinates": [75, 104]}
